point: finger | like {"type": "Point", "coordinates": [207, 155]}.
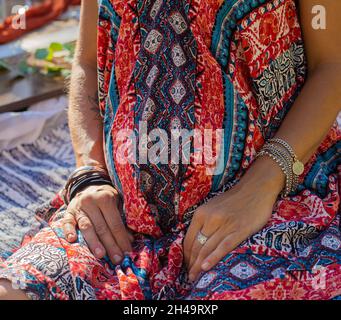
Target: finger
{"type": "Point", "coordinates": [103, 232]}
{"type": "Point", "coordinates": [193, 229]}
{"type": "Point", "coordinates": [131, 237]}
{"type": "Point", "coordinates": [204, 252]}
{"type": "Point", "coordinates": [69, 227]}
{"type": "Point", "coordinates": [227, 244]}
{"type": "Point", "coordinates": [88, 231]}
{"type": "Point", "coordinates": [118, 230]}
{"type": "Point", "coordinates": [208, 229]}
{"type": "Point", "coordinates": [196, 247]}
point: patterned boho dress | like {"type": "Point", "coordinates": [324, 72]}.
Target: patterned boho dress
{"type": "Point", "coordinates": [236, 65]}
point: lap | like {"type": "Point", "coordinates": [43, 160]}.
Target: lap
{"type": "Point", "coordinates": [49, 267]}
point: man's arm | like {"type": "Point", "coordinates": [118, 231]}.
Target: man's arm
{"type": "Point", "coordinates": [84, 118]}
{"type": "Point", "coordinates": [94, 210]}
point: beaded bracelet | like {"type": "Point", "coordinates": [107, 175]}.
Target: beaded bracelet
{"type": "Point", "coordinates": [297, 166]}
{"type": "Point", "coordinates": [282, 157]}
{"type": "Point", "coordinates": [282, 164]}
{"type": "Point", "coordinates": [282, 153]}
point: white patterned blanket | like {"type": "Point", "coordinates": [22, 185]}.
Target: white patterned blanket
{"type": "Point", "coordinates": [30, 175]}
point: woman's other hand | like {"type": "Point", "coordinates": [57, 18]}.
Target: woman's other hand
{"type": "Point", "coordinates": [229, 219]}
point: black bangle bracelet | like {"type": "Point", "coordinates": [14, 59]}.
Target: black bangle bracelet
{"type": "Point", "coordinates": [86, 183]}
{"type": "Point", "coordinates": [76, 182]}
{"type": "Point", "coordinates": [82, 179]}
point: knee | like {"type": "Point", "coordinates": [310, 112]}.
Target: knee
{"type": "Point", "coordinates": [8, 293]}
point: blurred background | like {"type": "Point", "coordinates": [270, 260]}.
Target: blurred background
{"type": "Point", "coordinates": [37, 41]}
{"type": "Point", "coordinates": [6, 7]}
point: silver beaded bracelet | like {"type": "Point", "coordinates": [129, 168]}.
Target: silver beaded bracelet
{"type": "Point", "coordinates": [283, 154]}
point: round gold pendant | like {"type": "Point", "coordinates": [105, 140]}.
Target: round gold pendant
{"type": "Point", "coordinates": [298, 168]}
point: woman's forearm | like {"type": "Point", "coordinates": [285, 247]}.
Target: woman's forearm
{"type": "Point", "coordinates": [84, 118]}
{"type": "Point", "coordinates": [305, 126]}
{"type": "Point", "coordinates": [314, 111]}
{"type": "Point", "coordinates": [316, 108]}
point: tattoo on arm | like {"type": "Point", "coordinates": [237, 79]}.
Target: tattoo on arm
{"type": "Point", "coordinates": [94, 102]}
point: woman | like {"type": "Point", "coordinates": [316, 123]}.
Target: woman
{"type": "Point", "coordinates": [249, 231]}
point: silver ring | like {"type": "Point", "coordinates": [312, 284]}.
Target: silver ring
{"type": "Point", "coordinates": [201, 238]}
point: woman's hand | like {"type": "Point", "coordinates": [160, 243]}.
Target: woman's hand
{"type": "Point", "coordinates": [95, 211]}
{"type": "Point", "coordinates": [229, 219]}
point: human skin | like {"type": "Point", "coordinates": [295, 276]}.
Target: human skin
{"type": "Point", "coordinates": [231, 218]}
{"type": "Point", "coordinates": [227, 219]}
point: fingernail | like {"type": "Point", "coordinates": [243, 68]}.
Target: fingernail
{"type": "Point", "coordinates": [205, 266]}
{"type": "Point", "coordinates": [191, 277]}
{"type": "Point", "coordinates": [70, 237]}
{"type": "Point", "coordinates": [98, 252]}
{"type": "Point", "coordinates": [117, 258]}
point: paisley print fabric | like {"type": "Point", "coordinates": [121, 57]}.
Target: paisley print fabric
{"type": "Point", "coordinates": [236, 65]}
{"type": "Point", "coordinates": [167, 100]}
